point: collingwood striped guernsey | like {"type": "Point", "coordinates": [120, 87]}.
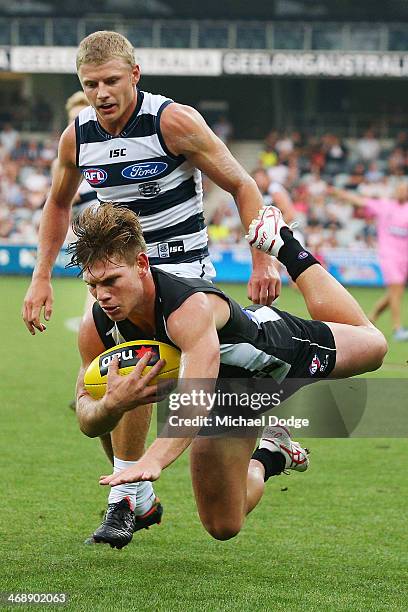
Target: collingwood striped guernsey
{"type": "Point", "coordinates": [257, 341]}
{"type": "Point", "coordinates": [136, 169]}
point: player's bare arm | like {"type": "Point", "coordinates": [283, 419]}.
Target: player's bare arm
{"type": "Point", "coordinates": [283, 201]}
{"type": "Point", "coordinates": [200, 359]}
{"type": "Point", "coordinates": [123, 393]}
{"type": "Point", "coordinates": [53, 230]}
{"type": "Point", "coordinates": [186, 133]}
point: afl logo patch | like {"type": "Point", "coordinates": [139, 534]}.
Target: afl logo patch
{"type": "Point", "coordinates": [95, 176]}
{"type": "Point", "coordinates": [314, 365]}
{"type": "Point", "coordinates": [143, 171]}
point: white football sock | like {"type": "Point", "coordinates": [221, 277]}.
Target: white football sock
{"type": "Point", "coordinates": [141, 494]}
{"type": "Point", "coordinates": [124, 490]}
{"type": "Point", "coordinates": [145, 497]}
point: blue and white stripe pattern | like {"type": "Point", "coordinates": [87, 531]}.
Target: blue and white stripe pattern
{"type": "Point", "coordinates": [136, 169]}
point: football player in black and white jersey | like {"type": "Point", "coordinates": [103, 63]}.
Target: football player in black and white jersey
{"type": "Point", "coordinates": [214, 335]}
{"type": "Point", "coordinates": [146, 152]}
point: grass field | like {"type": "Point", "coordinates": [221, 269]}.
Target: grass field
{"type": "Point", "coordinates": [331, 539]}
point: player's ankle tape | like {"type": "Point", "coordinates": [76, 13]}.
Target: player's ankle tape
{"type": "Point", "coordinates": [294, 257]}
{"type": "Point", "coordinates": [274, 463]}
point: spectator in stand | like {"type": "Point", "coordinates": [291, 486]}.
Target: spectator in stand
{"type": "Point", "coordinates": [396, 161]}
{"type": "Point", "coordinates": [368, 148]}
{"type": "Point", "coordinates": [316, 186]}
{"type": "Point", "coordinates": [284, 146]}
{"type": "Point", "coordinates": [356, 177]}
{"type": "Point", "coordinates": [268, 157]}
{"type": "Point", "coordinates": [224, 226]}
{"type": "Point", "coordinates": [279, 173]}
{"type": "Point", "coordinates": [316, 154]}
{"type": "Point", "coordinates": [392, 229]}
{"type": "Point", "coordinates": [373, 174]}
{"type": "Point", "coordinates": [369, 233]}
{"type": "Point", "coordinates": [402, 141]}
{"type": "Point", "coordinates": [8, 137]}
{"type": "Point", "coordinates": [223, 129]}
{"type": "Point", "coordinates": [336, 154]}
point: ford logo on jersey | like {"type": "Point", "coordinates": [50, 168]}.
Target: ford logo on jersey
{"type": "Point", "coordinates": [95, 176]}
{"type": "Point", "coordinates": [144, 170]}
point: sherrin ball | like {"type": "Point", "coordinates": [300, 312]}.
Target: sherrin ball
{"type": "Point", "coordinates": [129, 354]}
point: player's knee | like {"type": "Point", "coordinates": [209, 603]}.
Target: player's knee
{"type": "Point", "coordinates": [379, 350]}
{"type": "Point", "coordinates": [223, 530]}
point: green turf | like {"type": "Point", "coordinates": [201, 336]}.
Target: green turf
{"type": "Point", "coordinates": [331, 539]}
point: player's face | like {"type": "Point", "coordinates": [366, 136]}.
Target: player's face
{"type": "Point", "coordinates": [110, 88]}
{"type": "Point", "coordinates": [118, 286]}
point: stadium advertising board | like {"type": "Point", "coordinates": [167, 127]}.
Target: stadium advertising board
{"type": "Point", "coordinates": [213, 62]}
{"type": "Point", "coordinates": [21, 259]}
{"type": "Point", "coordinates": [351, 267]}
{"type": "Point", "coordinates": [357, 267]}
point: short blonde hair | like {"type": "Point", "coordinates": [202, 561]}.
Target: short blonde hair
{"type": "Point", "coordinates": [100, 47]}
{"type": "Point", "coordinates": [77, 99]}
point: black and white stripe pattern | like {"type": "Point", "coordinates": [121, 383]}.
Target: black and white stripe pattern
{"type": "Point", "coordinates": [136, 169]}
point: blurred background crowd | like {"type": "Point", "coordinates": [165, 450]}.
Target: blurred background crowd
{"type": "Point", "coordinates": [301, 165]}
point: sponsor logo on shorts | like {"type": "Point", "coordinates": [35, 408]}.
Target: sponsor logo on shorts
{"type": "Point", "coordinates": [314, 365]}
{"type": "Point", "coordinates": [144, 170]}
{"type": "Point", "coordinates": [129, 356]}
{"type": "Point", "coordinates": [302, 255]}
{"type": "Point", "coordinates": [325, 363]}
{"type": "Point", "coordinates": [95, 176]}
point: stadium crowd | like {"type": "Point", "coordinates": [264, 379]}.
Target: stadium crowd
{"type": "Point", "coordinates": [306, 166]}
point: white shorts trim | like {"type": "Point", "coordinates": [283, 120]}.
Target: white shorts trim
{"type": "Point", "coordinates": [326, 348]}
{"type": "Point", "coordinates": [202, 268]}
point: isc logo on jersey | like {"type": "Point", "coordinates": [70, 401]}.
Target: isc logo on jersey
{"type": "Point", "coordinates": [143, 171]}
{"type": "Point", "coordinates": [95, 176]}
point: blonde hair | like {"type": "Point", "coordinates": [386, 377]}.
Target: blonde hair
{"type": "Point", "coordinates": [100, 47]}
{"type": "Point", "coordinates": [77, 99]}
{"type": "Point", "coordinates": [105, 232]}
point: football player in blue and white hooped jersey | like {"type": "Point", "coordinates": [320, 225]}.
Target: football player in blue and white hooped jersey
{"type": "Point", "coordinates": [86, 194]}
{"type": "Point", "coordinates": [146, 152]}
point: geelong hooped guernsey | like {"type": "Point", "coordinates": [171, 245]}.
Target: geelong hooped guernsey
{"type": "Point", "coordinates": [137, 170]}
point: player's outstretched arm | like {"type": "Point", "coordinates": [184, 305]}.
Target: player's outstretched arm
{"type": "Point", "coordinates": [192, 328]}
{"type": "Point", "coordinates": [283, 201]}
{"type": "Point", "coordinates": [53, 229]}
{"type": "Point", "coordinates": [186, 133]}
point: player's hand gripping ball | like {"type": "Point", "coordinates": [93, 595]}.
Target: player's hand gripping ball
{"type": "Point", "coordinates": [129, 354]}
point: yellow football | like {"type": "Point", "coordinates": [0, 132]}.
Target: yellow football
{"type": "Point", "coordinates": [129, 354]}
